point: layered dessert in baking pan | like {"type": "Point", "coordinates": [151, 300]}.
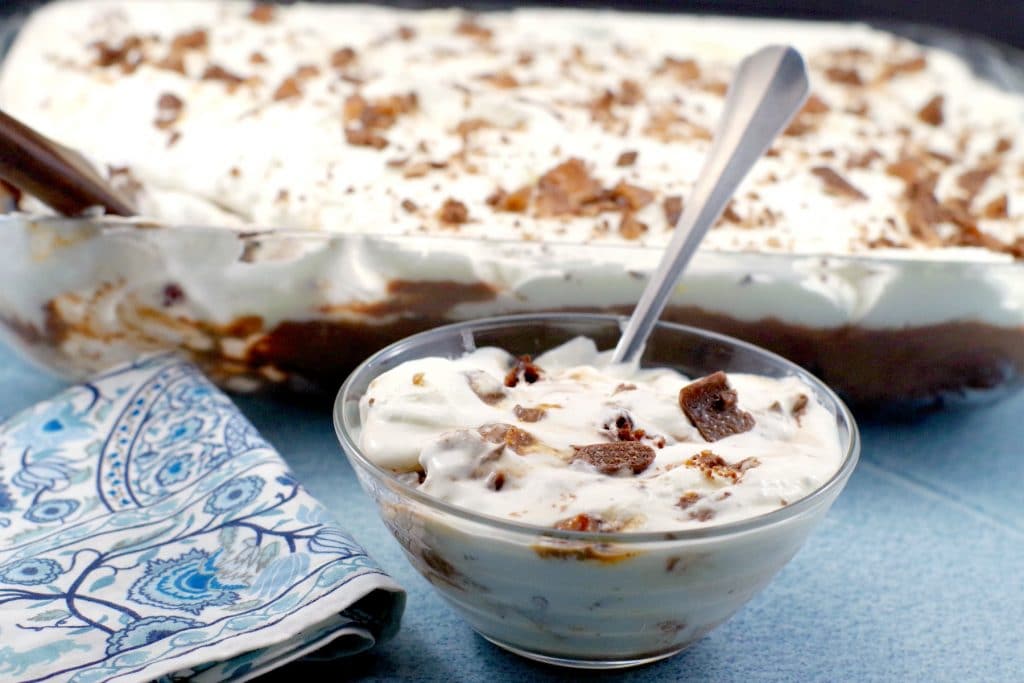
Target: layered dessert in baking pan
{"type": "Point", "coordinates": [314, 181]}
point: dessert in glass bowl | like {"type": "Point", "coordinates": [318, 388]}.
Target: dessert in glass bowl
{"type": "Point", "coordinates": [317, 177]}
{"type": "Point", "coordinates": [585, 513]}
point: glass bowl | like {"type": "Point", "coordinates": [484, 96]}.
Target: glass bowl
{"type": "Point", "coordinates": [590, 600]}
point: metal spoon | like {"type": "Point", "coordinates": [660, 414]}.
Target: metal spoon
{"type": "Point", "coordinates": [59, 177]}
{"type": "Point", "coordinates": [768, 89]}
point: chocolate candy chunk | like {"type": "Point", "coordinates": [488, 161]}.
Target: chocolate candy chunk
{"type": "Point", "coordinates": [524, 369]}
{"type": "Point", "coordinates": [529, 414]}
{"type": "Point", "coordinates": [585, 522]}
{"type": "Point", "coordinates": [714, 465]}
{"type": "Point", "coordinates": [710, 405]}
{"type": "Point", "coordinates": [610, 458]}
{"type": "Point", "coordinates": [500, 433]}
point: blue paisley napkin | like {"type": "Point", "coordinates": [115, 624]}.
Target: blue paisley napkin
{"type": "Point", "coordinates": [148, 532]}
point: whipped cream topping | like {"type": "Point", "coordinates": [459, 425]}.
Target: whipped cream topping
{"type": "Point", "coordinates": [554, 125]}
{"type": "Point", "coordinates": [523, 452]}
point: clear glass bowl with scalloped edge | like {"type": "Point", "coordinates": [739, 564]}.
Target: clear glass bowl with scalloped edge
{"type": "Point", "coordinates": [579, 599]}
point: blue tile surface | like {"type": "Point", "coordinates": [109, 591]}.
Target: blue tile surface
{"type": "Point", "coordinates": [917, 574]}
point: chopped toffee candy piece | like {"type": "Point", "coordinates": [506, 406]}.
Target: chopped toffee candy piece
{"type": "Point", "coordinates": [288, 89]}
{"type": "Point", "coordinates": [611, 458]}
{"type": "Point", "coordinates": [215, 72]}
{"type": "Point", "coordinates": [688, 499]}
{"type": "Point", "coordinates": [453, 212]}
{"type": "Point", "coordinates": [584, 522]}
{"type": "Point", "coordinates": [360, 137]}
{"type": "Point", "coordinates": [702, 515]}
{"type": "Point", "coordinates": [997, 208]}
{"type": "Point", "coordinates": [627, 158]}
{"type": "Point", "coordinates": [714, 465]}
{"type": "Point", "coordinates": [907, 66]}
{"type": "Point", "coordinates": [343, 57]}
{"type": "Point", "coordinates": [931, 112]}
{"type": "Point", "coordinates": [485, 387]}
{"type": "Point", "coordinates": [837, 184]}
{"type": "Point", "coordinates": [711, 406]}
{"type": "Point", "coordinates": [565, 189]}
{"type": "Point", "coordinates": [168, 110]}
{"type": "Point", "coordinates": [622, 430]}
{"type": "Point", "coordinates": [525, 369]}
{"type": "Point", "coordinates": [630, 196]}
{"type": "Point", "coordinates": [262, 13]}
{"type": "Point", "coordinates": [630, 227]}
{"type": "Point", "coordinates": [518, 439]}
{"type": "Point", "coordinates": [470, 28]}
{"type": "Point", "coordinates": [409, 205]}
{"type": "Point", "coordinates": [381, 113]}
{"type": "Point", "coordinates": [681, 69]}
{"type": "Point", "coordinates": [972, 181]}
{"type": "Point", "coordinates": [529, 414]}
{"type": "Point", "coordinates": [844, 76]}
{"type": "Point", "coordinates": [502, 79]}
{"type": "Point", "coordinates": [799, 407]}
{"type": "Point", "coordinates": [496, 480]}
{"type": "Point", "coordinates": [673, 208]}
{"type": "Point", "coordinates": [190, 40]}
{"type": "Point", "coordinates": [516, 202]}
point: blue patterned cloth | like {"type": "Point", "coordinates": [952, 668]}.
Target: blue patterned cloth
{"type": "Point", "coordinates": [147, 531]}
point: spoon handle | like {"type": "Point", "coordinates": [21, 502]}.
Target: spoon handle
{"type": "Point", "coordinates": [52, 173]}
{"type": "Point", "coordinates": [767, 90]}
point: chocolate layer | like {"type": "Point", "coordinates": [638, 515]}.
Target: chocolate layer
{"type": "Point", "coordinates": [869, 367]}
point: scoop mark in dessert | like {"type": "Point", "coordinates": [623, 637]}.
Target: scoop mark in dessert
{"type": "Point", "coordinates": [613, 458]}
{"type": "Point", "coordinates": [710, 405]}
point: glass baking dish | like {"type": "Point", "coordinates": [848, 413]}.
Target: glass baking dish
{"type": "Point", "coordinates": [265, 308]}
